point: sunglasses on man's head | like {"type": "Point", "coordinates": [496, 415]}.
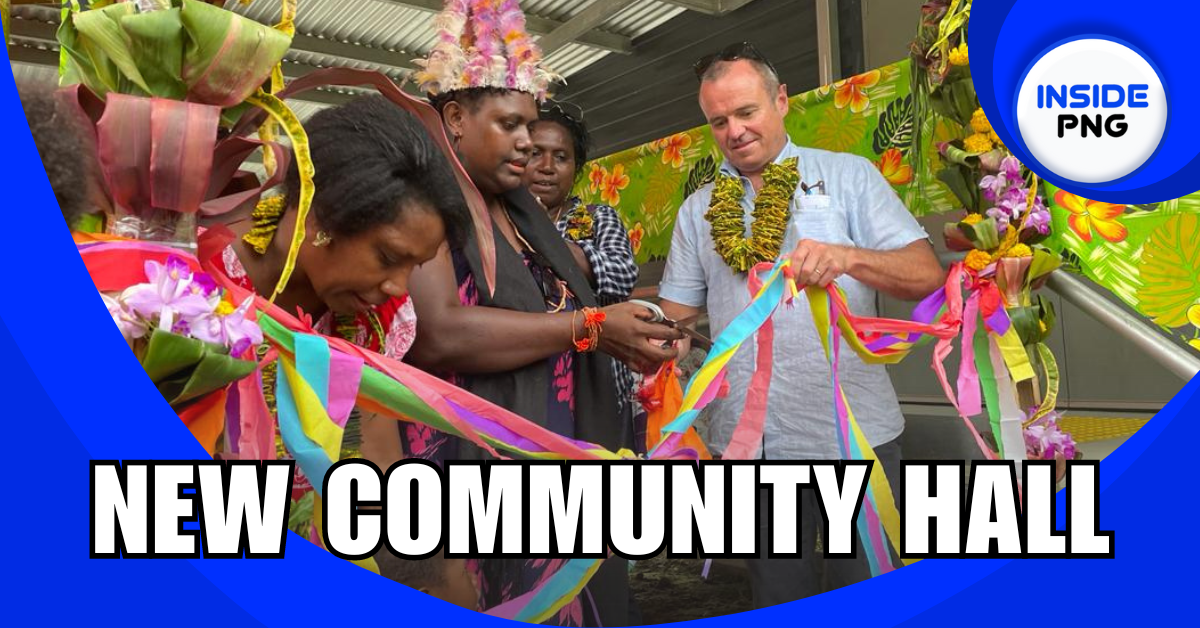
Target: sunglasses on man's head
{"type": "Point", "coordinates": [733, 52]}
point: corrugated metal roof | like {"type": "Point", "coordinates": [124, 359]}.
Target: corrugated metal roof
{"type": "Point", "coordinates": [375, 23]}
{"type": "Point", "coordinates": [390, 31]}
{"type": "Point", "coordinates": [632, 21]}
{"type": "Point", "coordinates": [640, 18]}
{"type": "Point", "coordinates": [392, 26]}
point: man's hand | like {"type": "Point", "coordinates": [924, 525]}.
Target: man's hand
{"type": "Point", "coordinates": [818, 264]}
{"type": "Point", "coordinates": [908, 273]}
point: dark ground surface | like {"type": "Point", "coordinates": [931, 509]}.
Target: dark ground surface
{"type": "Point", "coordinates": [671, 589]}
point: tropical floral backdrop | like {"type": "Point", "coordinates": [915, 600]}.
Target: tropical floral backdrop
{"type": "Point", "coordinates": [1147, 255]}
{"type": "Point", "coordinates": [870, 115]}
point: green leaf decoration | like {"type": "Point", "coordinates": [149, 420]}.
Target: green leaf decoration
{"type": "Point", "coordinates": [196, 51]}
{"type": "Point", "coordinates": [102, 46]}
{"type": "Point", "coordinates": [704, 172]}
{"type": "Point", "coordinates": [1170, 271]}
{"type": "Point", "coordinates": [983, 234]}
{"type": "Point", "coordinates": [954, 179]}
{"type": "Point", "coordinates": [895, 128]}
{"type": "Point", "coordinates": [840, 130]}
{"type": "Point", "coordinates": [184, 369]}
{"type": "Point", "coordinates": [156, 44]}
{"type": "Point", "coordinates": [228, 56]}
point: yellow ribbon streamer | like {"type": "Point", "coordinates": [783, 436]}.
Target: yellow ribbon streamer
{"type": "Point", "coordinates": [279, 111]}
{"type": "Point", "coordinates": [889, 516]}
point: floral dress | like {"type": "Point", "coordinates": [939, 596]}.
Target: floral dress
{"type": "Point", "coordinates": [501, 580]}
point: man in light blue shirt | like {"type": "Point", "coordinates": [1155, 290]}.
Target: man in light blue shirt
{"type": "Point", "coordinates": [853, 229]}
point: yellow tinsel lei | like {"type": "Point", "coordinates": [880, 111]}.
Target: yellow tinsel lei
{"type": "Point", "coordinates": [772, 211]}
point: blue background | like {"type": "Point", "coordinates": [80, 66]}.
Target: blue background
{"type": "Point", "coordinates": [74, 392]}
{"type": "Point", "coordinates": [1006, 36]}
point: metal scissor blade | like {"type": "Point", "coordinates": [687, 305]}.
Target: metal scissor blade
{"type": "Point", "coordinates": [698, 339]}
{"type": "Point", "coordinates": [701, 341]}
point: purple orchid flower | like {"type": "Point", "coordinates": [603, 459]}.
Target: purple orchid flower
{"type": "Point", "coordinates": [1002, 218]}
{"type": "Point", "coordinates": [1045, 438]}
{"type": "Point", "coordinates": [1012, 203]}
{"type": "Point", "coordinates": [993, 185]}
{"type": "Point", "coordinates": [129, 326]}
{"type": "Point", "coordinates": [1011, 168]}
{"type": "Point", "coordinates": [205, 284]}
{"type": "Point", "coordinates": [1015, 194]}
{"type": "Point", "coordinates": [1039, 218]}
{"type": "Point", "coordinates": [229, 327]}
{"type": "Point", "coordinates": [169, 295]}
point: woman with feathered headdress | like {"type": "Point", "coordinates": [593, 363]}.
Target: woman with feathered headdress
{"type": "Point", "coordinates": [527, 340]}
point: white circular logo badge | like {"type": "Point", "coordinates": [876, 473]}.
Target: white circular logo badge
{"type": "Point", "coordinates": [1092, 110]}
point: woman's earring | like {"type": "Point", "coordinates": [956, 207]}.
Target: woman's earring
{"type": "Point", "coordinates": [322, 239]}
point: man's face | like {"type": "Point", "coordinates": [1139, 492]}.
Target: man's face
{"type": "Point", "coordinates": [746, 118]}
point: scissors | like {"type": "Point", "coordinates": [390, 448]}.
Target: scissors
{"type": "Point", "coordinates": [701, 341]}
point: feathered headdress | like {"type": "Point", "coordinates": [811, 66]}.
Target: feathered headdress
{"type": "Point", "coordinates": [483, 43]}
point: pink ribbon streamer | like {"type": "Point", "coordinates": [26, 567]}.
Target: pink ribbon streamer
{"type": "Point", "coordinates": [748, 434]}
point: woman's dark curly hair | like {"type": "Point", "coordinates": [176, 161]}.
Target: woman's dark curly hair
{"type": "Point", "coordinates": [372, 159]}
{"type": "Point", "coordinates": [470, 97]}
{"type": "Point", "coordinates": [57, 135]}
{"type": "Point", "coordinates": [581, 140]}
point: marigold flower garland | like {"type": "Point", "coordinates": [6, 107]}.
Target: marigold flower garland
{"type": "Point", "coordinates": [772, 211]}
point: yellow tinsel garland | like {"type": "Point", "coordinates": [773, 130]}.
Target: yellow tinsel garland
{"type": "Point", "coordinates": [772, 211]}
{"type": "Point", "coordinates": [266, 215]}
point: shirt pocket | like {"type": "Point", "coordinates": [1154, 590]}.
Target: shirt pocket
{"type": "Point", "coordinates": [820, 217]}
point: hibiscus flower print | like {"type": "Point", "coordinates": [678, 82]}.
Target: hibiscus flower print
{"type": "Point", "coordinates": [852, 92]}
{"type": "Point", "coordinates": [564, 380]}
{"type": "Point", "coordinates": [1089, 216]}
{"type": "Point", "coordinates": [891, 165]}
{"type": "Point", "coordinates": [673, 147]}
{"type": "Point", "coordinates": [596, 177]}
{"type": "Point", "coordinates": [418, 439]}
{"type": "Point", "coordinates": [635, 237]}
{"type": "Point", "coordinates": [614, 182]}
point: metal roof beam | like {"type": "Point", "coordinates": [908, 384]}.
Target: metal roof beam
{"type": "Point", "coordinates": [710, 7]}
{"type": "Point", "coordinates": [543, 26]}
{"type": "Point", "coordinates": [581, 23]}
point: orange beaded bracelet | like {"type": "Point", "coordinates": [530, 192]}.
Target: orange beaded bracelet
{"type": "Point", "coordinates": [593, 321]}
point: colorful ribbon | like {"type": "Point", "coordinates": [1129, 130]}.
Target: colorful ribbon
{"type": "Point", "coordinates": [322, 379]}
